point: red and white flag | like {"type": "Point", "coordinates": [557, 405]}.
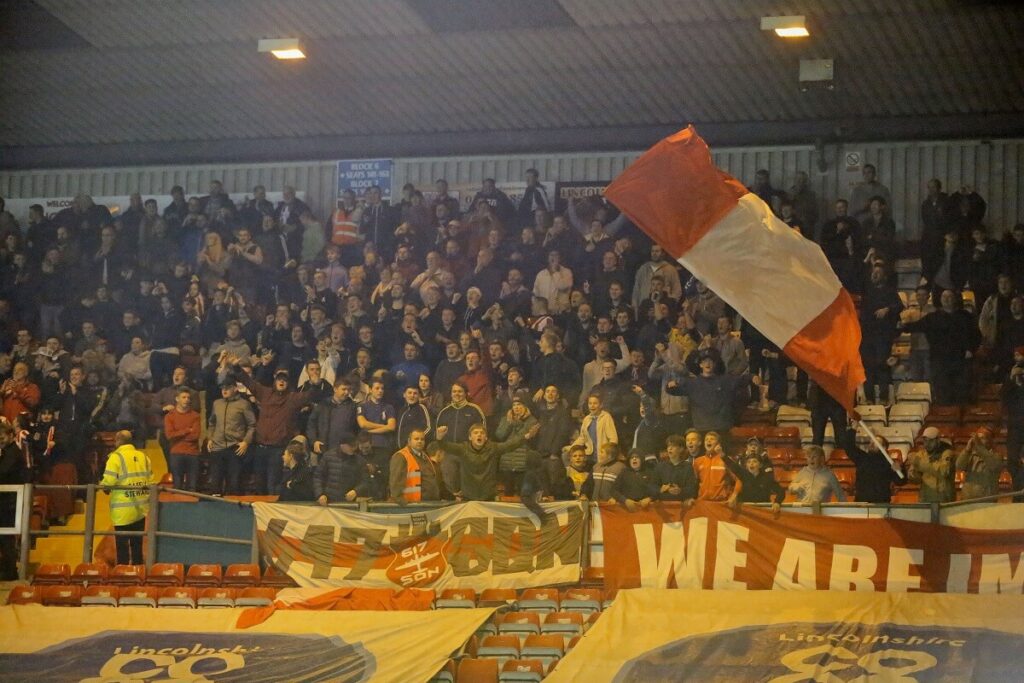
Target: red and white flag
{"type": "Point", "coordinates": [780, 282]}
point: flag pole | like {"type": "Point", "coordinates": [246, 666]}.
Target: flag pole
{"type": "Point", "coordinates": [878, 444]}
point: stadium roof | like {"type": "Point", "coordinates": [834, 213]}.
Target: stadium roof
{"type": "Point", "coordinates": [95, 82]}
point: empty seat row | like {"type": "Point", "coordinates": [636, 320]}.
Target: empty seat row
{"type": "Point", "coordinates": [473, 670]}
{"type": "Point", "coordinates": [161, 574]}
{"type": "Point", "coordinates": [523, 624]}
{"type": "Point", "coordinates": [73, 595]}
{"type": "Point", "coordinates": [585, 600]}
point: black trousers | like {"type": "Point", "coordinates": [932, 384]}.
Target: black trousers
{"type": "Point", "coordinates": [129, 548]}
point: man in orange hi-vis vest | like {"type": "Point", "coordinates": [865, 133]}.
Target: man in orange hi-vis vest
{"type": "Point", "coordinates": [345, 221]}
{"type": "Point", "coordinates": [414, 477]}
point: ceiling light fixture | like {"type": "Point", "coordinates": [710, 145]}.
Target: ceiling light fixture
{"type": "Point", "coordinates": [282, 48]}
{"type": "Point", "coordinates": [786, 27]}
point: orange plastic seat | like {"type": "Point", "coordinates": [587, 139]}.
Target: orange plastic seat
{"type": "Point", "coordinates": [52, 574]}
{"type": "Point", "coordinates": [127, 575]}
{"type": "Point", "coordinates": [25, 595]}
{"type": "Point", "coordinates": [98, 595]}
{"type": "Point", "coordinates": [166, 574]}
{"type": "Point", "coordinates": [177, 596]}
{"type": "Point", "coordinates": [521, 623]}
{"type": "Point", "coordinates": [272, 577]}
{"type": "Point", "coordinates": [447, 673]}
{"type": "Point", "coordinates": [568, 623]}
{"type": "Point", "coordinates": [88, 573]}
{"type": "Point", "coordinates": [584, 600]}
{"type": "Point", "coordinates": [538, 600]}
{"type": "Point", "coordinates": [62, 596]}
{"type": "Point", "coordinates": [204, 575]}
{"type": "Point", "coordinates": [241, 575]}
{"type": "Point", "coordinates": [456, 598]}
{"type": "Point", "coordinates": [547, 647]}
{"type": "Point", "coordinates": [497, 597]}
{"type": "Point", "coordinates": [478, 671]}
{"type": "Point", "coordinates": [256, 596]}
{"type": "Point", "coordinates": [138, 596]}
{"type": "Point", "coordinates": [500, 647]}
{"type": "Point", "coordinates": [522, 671]}
{"type": "Point", "coordinates": [221, 596]}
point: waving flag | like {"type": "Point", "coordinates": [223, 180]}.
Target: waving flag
{"type": "Point", "coordinates": [780, 282]}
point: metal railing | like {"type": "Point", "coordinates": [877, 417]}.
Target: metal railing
{"type": "Point", "coordinates": [151, 533]}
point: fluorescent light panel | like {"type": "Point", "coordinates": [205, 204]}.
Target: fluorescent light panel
{"type": "Point", "coordinates": [293, 53]}
{"type": "Point", "coordinates": [282, 48]}
{"type": "Point", "coordinates": [786, 27]}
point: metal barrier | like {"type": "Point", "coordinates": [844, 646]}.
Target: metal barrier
{"type": "Point", "coordinates": [153, 534]}
{"type": "Point", "coordinates": [89, 532]}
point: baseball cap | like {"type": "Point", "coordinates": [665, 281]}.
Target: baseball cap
{"type": "Point", "coordinates": [930, 433]}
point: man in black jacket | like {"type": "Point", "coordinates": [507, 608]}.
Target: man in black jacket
{"type": "Point", "coordinates": [879, 315]}
{"type": "Point", "coordinates": [556, 423]}
{"type": "Point", "coordinates": [875, 475]}
{"type": "Point", "coordinates": [340, 476]}
{"type": "Point", "coordinates": [953, 338]}
{"type": "Point", "coordinates": [333, 422]}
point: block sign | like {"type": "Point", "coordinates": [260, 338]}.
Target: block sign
{"type": "Point", "coordinates": [359, 175]}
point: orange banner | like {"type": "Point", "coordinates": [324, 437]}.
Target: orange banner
{"type": "Point", "coordinates": [713, 547]}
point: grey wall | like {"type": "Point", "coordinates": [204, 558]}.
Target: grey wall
{"type": "Point", "coordinates": [993, 167]}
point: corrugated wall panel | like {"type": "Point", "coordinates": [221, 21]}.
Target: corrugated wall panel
{"type": "Point", "coordinates": [993, 167]}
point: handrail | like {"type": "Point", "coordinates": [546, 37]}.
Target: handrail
{"type": "Point", "coordinates": [205, 496]}
{"type": "Point", "coordinates": [982, 499]}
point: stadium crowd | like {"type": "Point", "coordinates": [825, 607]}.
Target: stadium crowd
{"type": "Point", "coordinates": [418, 351]}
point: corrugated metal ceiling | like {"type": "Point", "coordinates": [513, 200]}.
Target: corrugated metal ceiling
{"type": "Point", "coordinates": [188, 70]}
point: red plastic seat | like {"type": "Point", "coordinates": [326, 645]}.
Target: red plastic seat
{"type": "Point", "coordinates": [127, 575]}
{"type": "Point", "coordinates": [478, 671]}
{"type": "Point", "coordinates": [88, 573]}
{"type": "Point", "coordinates": [25, 595]}
{"type": "Point", "coordinates": [52, 574]}
{"type": "Point", "coordinates": [166, 574]}
{"type": "Point", "coordinates": [241, 575]}
{"type": "Point", "coordinates": [204, 575]}
{"type": "Point", "coordinates": [62, 596]}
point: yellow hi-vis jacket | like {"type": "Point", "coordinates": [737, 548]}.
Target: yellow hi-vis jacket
{"type": "Point", "coordinates": [127, 466]}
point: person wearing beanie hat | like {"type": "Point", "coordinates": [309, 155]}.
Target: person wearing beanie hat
{"type": "Point", "coordinates": [933, 468]}
{"type": "Point", "coordinates": [637, 485]}
{"type": "Point", "coordinates": [981, 466]}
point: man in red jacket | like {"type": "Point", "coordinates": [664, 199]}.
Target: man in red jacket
{"type": "Point", "coordinates": [478, 383]}
{"type": "Point", "coordinates": [277, 423]}
{"type": "Point", "coordinates": [181, 427]}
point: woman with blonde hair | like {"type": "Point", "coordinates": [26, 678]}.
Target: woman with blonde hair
{"type": "Point", "coordinates": [212, 263]}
